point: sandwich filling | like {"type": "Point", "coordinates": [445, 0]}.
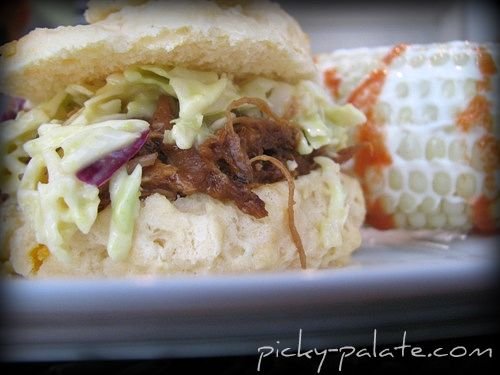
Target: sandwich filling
{"type": "Point", "coordinates": [169, 131]}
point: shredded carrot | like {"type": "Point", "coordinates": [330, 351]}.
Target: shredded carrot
{"type": "Point", "coordinates": [38, 255]}
{"type": "Point", "coordinates": [333, 81]}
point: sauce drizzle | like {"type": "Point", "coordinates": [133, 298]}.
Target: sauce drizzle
{"type": "Point", "coordinates": [376, 156]}
{"type": "Point", "coordinates": [478, 114]}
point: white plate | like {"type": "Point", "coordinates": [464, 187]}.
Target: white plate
{"type": "Point", "coordinates": [432, 291]}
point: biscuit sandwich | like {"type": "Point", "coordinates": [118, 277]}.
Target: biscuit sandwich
{"type": "Point", "coordinates": [167, 138]}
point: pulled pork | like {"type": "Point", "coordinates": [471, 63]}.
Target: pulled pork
{"type": "Point", "coordinates": [246, 153]}
{"type": "Point", "coordinates": [221, 166]}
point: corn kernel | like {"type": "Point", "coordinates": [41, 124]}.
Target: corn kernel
{"type": "Point", "coordinates": [429, 205]}
{"type": "Point", "coordinates": [453, 208]}
{"type": "Point", "coordinates": [435, 149]}
{"type": "Point", "coordinates": [430, 113]}
{"type": "Point", "coordinates": [466, 185]}
{"type": "Point", "coordinates": [418, 182]}
{"type": "Point", "coordinates": [417, 61]}
{"type": "Point", "coordinates": [402, 90]}
{"type": "Point", "coordinates": [460, 58]}
{"type": "Point", "coordinates": [405, 115]}
{"type": "Point", "coordinates": [417, 220]}
{"type": "Point", "coordinates": [457, 221]}
{"type": "Point", "coordinates": [439, 58]}
{"type": "Point", "coordinates": [395, 179]}
{"type": "Point", "coordinates": [448, 88]}
{"type": "Point", "coordinates": [470, 88]}
{"type": "Point", "coordinates": [457, 150]}
{"type": "Point", "coordinates": [441, 183]}
{"type": "Point", "coordinates": [424, 88]}
{"type": "Point", "coordinates": [400, 220]}
{"type": "Point", "coordinates": [409, 148]}
{"type": "Point", "coordinates": [407, 203]}
{"type": "Point", "coordinates": [437, 220]}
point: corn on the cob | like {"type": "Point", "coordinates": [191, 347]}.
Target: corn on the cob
{"type": "Point", "coordinates": [430, 147]}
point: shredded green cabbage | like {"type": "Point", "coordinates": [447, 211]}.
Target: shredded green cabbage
{"type": "Point", "coordinates": [125, 204]}
{"type": "Point", "coordinates": [331, 228]}
{"type": "Point", "coordinates": [42, 149]}
{"type": "Point", "coordinates": [51, 194]}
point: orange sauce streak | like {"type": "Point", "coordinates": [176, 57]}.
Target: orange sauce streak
{"type": "Point", "coordinates": [483, 217]}
{"type": "Point", "coordinates": [377, 217]}
{"type": "Point", "coordinates": [490, 153]}
{"type": "Point", "coordinates": [375, 157]}
{"type": "Point", "coordinates": [487, 65]}
{"type": "Point", "coordinates": [376, 154]}
{"type": "Point", "coordinates": [396, 51]}
{"type": "Point", "coordinates": [365, 96]}
{"type": "Point", "coordinates": [333, 81]}
{"type": "Point", "coordinates": [477, 113]}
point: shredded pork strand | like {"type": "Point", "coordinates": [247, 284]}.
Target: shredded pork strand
{"type": "Point", "coordinates": [259, 103]}
{"type": "Point", "coordinates": [291, 214]}
{"type": "Point", "coordinates": [144, 160]}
